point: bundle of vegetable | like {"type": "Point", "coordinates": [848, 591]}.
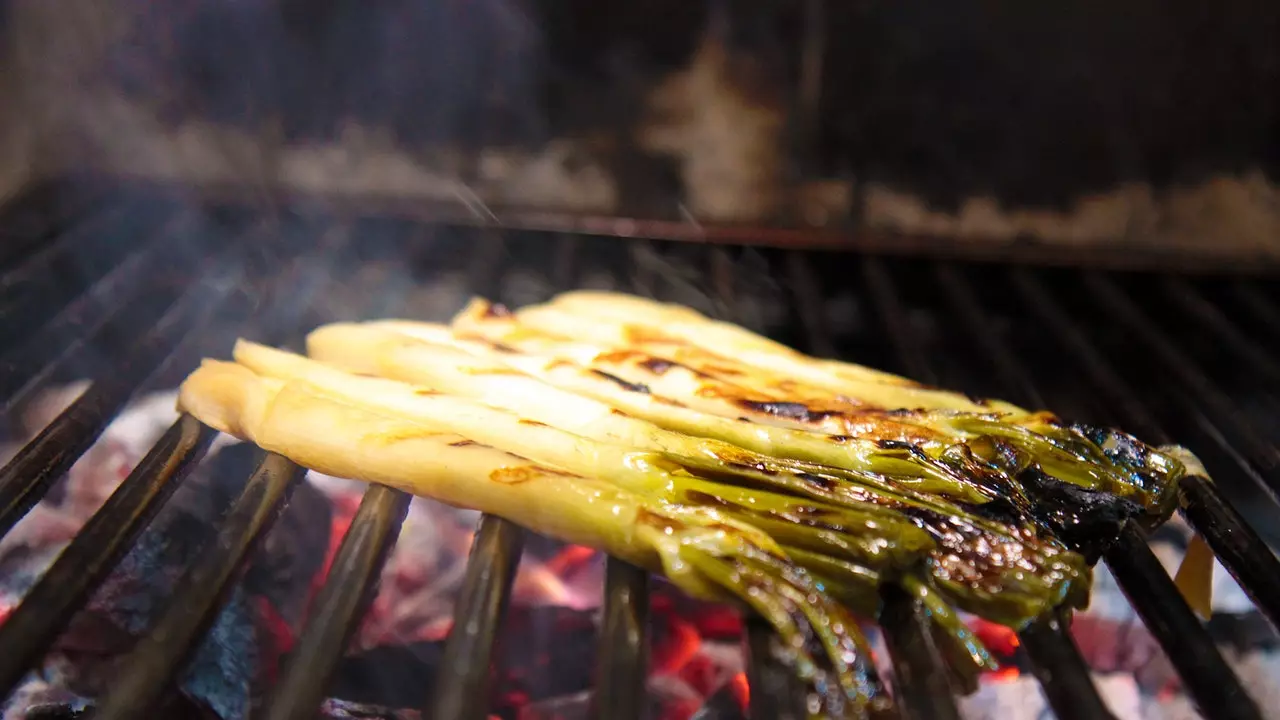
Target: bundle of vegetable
{"type": "Point", "coordinates": [738, 468]}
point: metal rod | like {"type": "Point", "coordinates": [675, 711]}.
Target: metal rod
{"type": "Point", "coordinates": [894, 319]}
{"type": "Point", "coordinates": [462, 684]}
{"type": "Point", "coordinates": [1131, 410]}
{"type": "Point", "coordinates": [721, 272]}
{"type": "Point", "coordinates": [643, 273]}
{"type": "Point", "coordinates": [460, 212]}
{"type": "Point", "coordinates": [775, 692]}
{"type": "Point", "coordinates": [44, 213]}
{"type": "Point", "coordinates": [337, 610]}
{"type": "Point", "coordinates": [1062, 671]}
{"type": "Point", "coordinates": [1188, 645]}
{"type": "Point", "coordinates": [1260, 453]}
{"type": "Point", "coordinates": [1056, 660]}
{"type": "Point", "coordinates": [921, 684]}
{"type": "Point", "coordinates": [29, 475]}
{"type": "Point", "coordinates": [1014, 377]}
{"type": "Point", "coordinates": [40, 353]}
{"type": "Point", "coordinates": [1190, 301]}
{"type": "Point", "coordinates": [1258, 304]}
{"type": "Point", "coordinates": [804, 284]}
{"type": "Point", "coordinates": [45, 611]}
{"type": "Point", "coordinates": [1237, 546]}
{"type": "Point", "coordinates": [623, 654]}
{"type": "Point", "coordinates": [562, 265]}
{"type": "Point", "coordinates": [36, 264]}
{"type": "Point", "coordinates": [158, 657]}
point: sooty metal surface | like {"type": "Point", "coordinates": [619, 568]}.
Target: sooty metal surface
{"type": "Point", "coordinates": [1094, 346]}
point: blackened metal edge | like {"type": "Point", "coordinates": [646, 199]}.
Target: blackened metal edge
{"type": "Point", "coordinates": [775, 692]}
{"type": "Point", "coordinates": [157, 658]}
{"type": "Point", "coordinates": [1236, 545]}
{"type": "Point", "coordinates": [921, 686]}
{"type": "Point", "coordinates": [28, 476]}
{"type": "Point", "coordinates": [338, 608]}
{"type": "Point", "coordinates": [622, 658]}
{"type": "Point", "coordinates": [1204, 672]}
{"type": "Point", "coordinates": [1061, 669]}
{"type": "Point", "coordinates": [463, 680]}
{"type": "Point", "coordinates": [27, 633]}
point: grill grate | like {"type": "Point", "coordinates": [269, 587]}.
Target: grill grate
{"type": "Point", "coordinates": [992, 328]}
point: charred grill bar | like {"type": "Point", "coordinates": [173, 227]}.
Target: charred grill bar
{"type": "Point", "coordinates": [166, 326]}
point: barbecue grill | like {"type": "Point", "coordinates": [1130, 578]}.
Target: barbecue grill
{"type": "Point", "coordinates": [1159, 348]}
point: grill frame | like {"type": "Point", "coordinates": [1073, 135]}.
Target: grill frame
{"type": "Point", "coordinates": [177, 337]}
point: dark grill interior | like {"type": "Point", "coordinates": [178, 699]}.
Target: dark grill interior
{"type": "Point", "coordinates": [130, 287]}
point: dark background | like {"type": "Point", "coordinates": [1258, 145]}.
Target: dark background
{"type": "Point", "coordinates": [1037, 103]}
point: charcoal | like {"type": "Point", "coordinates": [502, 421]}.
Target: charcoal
{"type": "Point", "coordinates": [334, 709]}
{"type": "Point", "coordinates": [397, 676]}
{"type": "Point", "coordinates": [543, 652]}
{"type": "Point", "coordinates": [224, 666]}
{"type": "Point", "coordinates": [284, 567]}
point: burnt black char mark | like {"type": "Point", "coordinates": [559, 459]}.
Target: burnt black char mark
{"type": "Point", "coordinates": [657, 366]}
{"type": "Point", "coordinates": [788, 410]}
{"type": "Point", "coordinates": [1088, 521]}
{"type": "Point", "coordinates": [629, 386]}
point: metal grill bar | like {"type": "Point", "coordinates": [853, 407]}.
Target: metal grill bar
{"type": "Point", "coordinates": [29, 365]}
{"type": "Point", "coordinates": [37, 264]}
{"type": "Point", "coordinates": [464, 675]}
{"type": "Point", "coordinates": [43, 460]}
{"type": "Point", "coordinates": [895, 323]}
{"type": "Point", "coordinates": [1263, 310]}
{"type": "Point", "coordinates": [921, 683]}
{"type": "Point", "coordinates": [623, 654]}
{"type": "Point", "coordinates": [1236, 545]}
{"type": "Point", "coordinates": [1204, 672]}
{"type": "Point", "coordinates": [1131, 560]}
{"type": "Point", "coordinates": [1058, 665]}
{"type": "Point", "coordinates": [1117, 392]}
{"type": "Point", "coordinates": [97, 548]}
{"type": "Point", "coordinates": [158, 657]}
{"type": "Point", "coordinates": [337, 610]}
{"type": "Point", "coordinates": [808, 300]}
{"type": "Point", "coordinates": [45, 213]}
{"type": "Point", "coordinates": [1017, 382]}
{"type": "Point", "coordinates": [1185, 295]}
{"type": "Point", "coordinates": [774, 691]}
{"type": "Point", "coordinates": [463, 680]}
{"type": "Point", "coordinates": [1260, 453]}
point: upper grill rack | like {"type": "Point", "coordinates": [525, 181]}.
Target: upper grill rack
{"type": "Point", "coordinates": [1038, 337]}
